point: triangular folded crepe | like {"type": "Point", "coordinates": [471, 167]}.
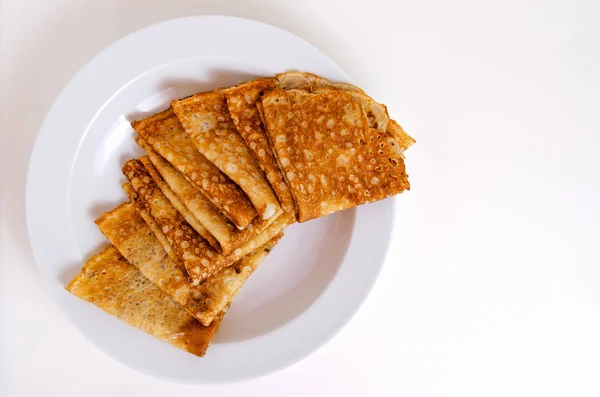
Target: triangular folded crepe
{"type": "Point", "coordinates": [228, 236]}
{"type": "Point", "coordinates": [124, 220]}
{"type": "Point", "coordinates": [241, 101]}
{"type": "Point", "coordinates": [179, 206]}
{"type": "Point", "coordinates": [134, 233]}
{"type": "Point", "coordinates": [108, 281]}
{"type": "Point", "coordinates": [190, 248]}
{"type": "Point", "coordinates": [165, 134]}
{"type": "Point", "coordinates": [199, 259]}
{"type": "Point", "coordinates": [331, 159]}
{"type": "Point", "coordinates": [220, 289]}
{"type": "Point", "coordinates": [205, 118]}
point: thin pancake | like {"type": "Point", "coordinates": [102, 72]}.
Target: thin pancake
{"type": "Point", "coordinates": [228, 236]}
{"type": "Point", "coordinates": [241, 101]}
{"type": "Point", "coordinates": [137, 241]}
{"type": "Point", "coordinates": [295, 80]}
{"type": "Point", "coordinates": [376, 113]}
{"type": "Point", "coordinates": [132, 230]}
{"type": "Point", "coordinates": [199, 259]}
{"type": "Point", "coordinates": [218, 290]}
{"type": "Point", "coordinates": [179, 206]}
{"type": "Point", "coordinates": [194, 253]}
{"type": "Point", "coordinates": [332, 160]}
{"type": "Point", "coordinates": [129, 216]}
{"type": "Point", "coordinates": [108, 281]}
{"type": "Point", "coordinates": [205, 118]}
{"type": "Point", "coordinates": [166, 135]}
{"type": "Point", "coordinates": [404, 140]}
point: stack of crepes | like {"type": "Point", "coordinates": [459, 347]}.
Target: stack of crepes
{"type": "Point", "coordinates": [225, 173]}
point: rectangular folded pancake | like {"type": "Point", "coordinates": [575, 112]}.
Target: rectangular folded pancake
{"type": "Point", "coordinates": [108, 281]}
{"type": "Point", "coordinates": [330, 157]}
{"type": "Point", "coordinates": [132, 230]}
{"type": "Point", "coordinates": [228, 236]}
{"type": "Point", "coordinates": [166, 135]}
{"type": "Point", "coordinates": [241, 101]}
{"type": "Point", "coordinates": [198, 258]}
{"type": "Point", "coordinates": [205, 118]}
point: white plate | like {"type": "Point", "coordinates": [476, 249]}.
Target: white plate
{"type": "Point", "coordinates": [307, 289]}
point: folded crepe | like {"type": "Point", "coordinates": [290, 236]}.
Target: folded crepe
{"type": "Point", "coordinates": [404, 140]}
{"type": "Point", "coordinates": [198, 258]}
{"type": "Point", "coordinates": [194, 253]}
{"type": "Point", "coordinates": [131, 229]}
{"type": "Point", "coordinates": [123, 220]}
{"type": "Point", "coordinates": [331, 159]}
{"type": "Point", "coordinates": [179, 206]}
{"type": "Point", "coordinates": [205, 118]}
{"type": "Point", "coordinates": [224, 232]}
{"type": "Point", "coordinates": [108, 281]}
{"type": "Point", "coordinates": [166, 136]}
{"type": "Point", "coordinates": [241, 102]}
{"type": "Point", "coordinates": [376, 113]}
{"type": "Point", "coordinates": [296, 80]}
{"type": "Point", "coordinates": [220, 289]}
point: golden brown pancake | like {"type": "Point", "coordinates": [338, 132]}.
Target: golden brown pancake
{"type": "Point", "coordinates": [220, 289]}
{"type": "Point", "coordinates": [295, 80]}
{"type": "Point", "coordinates": [199, 259]}
{"type": "Point", "coordinates": [126, 217]}
{"type": "Point", "coordinates": [404, 140]}
{"type": "Point", "coordinates": [179, 206]}
{"type": "Point", "coordinates": [376, 113]}
{"type": "Point", "coordinates": [241, 101]}
{"type": "Point", "coordinates": [331, 159]}
{"type": "Point", "coordinates": [205, 118]}
{"type": "Point", "coordinates": [138, 241]}
{"type": "Point", "coordinates": [228, 236]}
{"type": "Point", "coordinates": [135, 234]}
{"type": "Point", "coordinates": [108, 281]}
{"type": "Point", "coordinates": [165, 134]}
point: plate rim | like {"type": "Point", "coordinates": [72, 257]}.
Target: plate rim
{"type": "Point", "coordinates": [387, 225]}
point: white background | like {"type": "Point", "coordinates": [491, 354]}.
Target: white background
{"type": "Point", "coordinates": [492, 286]}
